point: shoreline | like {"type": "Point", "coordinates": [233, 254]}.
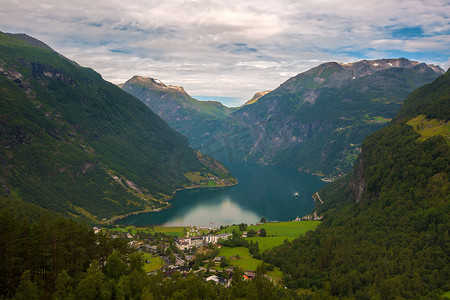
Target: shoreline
{"type": "Point", "coordinates": [113, 220]}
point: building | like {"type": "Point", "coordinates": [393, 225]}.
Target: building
{"type": "Point", "coordinates": [189, 242]}
{"type": "Point", "coordinates": [219, 259]}
{"type": "Point", "coordinates": [215, 238]}
{"type": "Point", "coordinates": [196, 241]}
{"type": "Point", "coordinates": [217, 279]}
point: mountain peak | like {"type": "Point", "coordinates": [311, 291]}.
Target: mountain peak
{"type": "Point", "coordinates": [153, 83]}
{"type": "Point", "coordinates": [335, 74]}
{"type": "Point", "coordinates": [256, 97]}
{"type": "Point", "coordinates": [30, 40]}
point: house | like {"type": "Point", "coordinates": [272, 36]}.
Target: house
{"type": "Point", "coordinates": [182, 244]}
{"type": "Point", "coordinates": [148, 248]}
{"type": "Point", "coordinates": [249, 275]}
{"type": "Point", "coordinates": [224, 236]}
{"type": "Point", "coordinates": [214, 278]}
{"type": "Point", "coordinates": [218, 259]}
{"type": "Point", "coordinates": [217, 279]}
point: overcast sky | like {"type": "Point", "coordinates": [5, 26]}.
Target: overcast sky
{"type": "Point", "coordinates": [231, 49]}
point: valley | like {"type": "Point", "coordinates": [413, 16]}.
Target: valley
{"type": "Point", "coordinates": [314, 122]}
{"type": "Point", "coordinates": [80, 158]}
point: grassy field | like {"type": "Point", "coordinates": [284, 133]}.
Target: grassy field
{"type": "Point", "coordinates": [277, 232]}
{"type": "Point", "coordinates": [266, 243]}
{"type": "Point", "coordinates": [428, 128]}
{"type": "Point", "coordinates": [172, 231]}
{"type": "Point", "coordinates": [155, 262]}
{"type": "Point", "coordinates": [246, 262]}
{"type": "Point", "coordinates": [280, 229]}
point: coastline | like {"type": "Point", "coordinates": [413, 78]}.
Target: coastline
{"type": "Point", "coordinates": [114, 219]}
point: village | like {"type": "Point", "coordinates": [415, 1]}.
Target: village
{"type": "Point", "coordinates": [212, 253]}
{"type": "Point", "coordinates": [193, 253]}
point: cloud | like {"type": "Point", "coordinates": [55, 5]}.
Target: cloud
{"type": "Point", "coordinates": [230, 48]}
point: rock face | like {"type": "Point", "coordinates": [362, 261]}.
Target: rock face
{"type": "Point", "coordinates": [318, 119]}
{"type": "Point", "coordinates": [76, 144]}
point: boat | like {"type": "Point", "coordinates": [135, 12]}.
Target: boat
{"type": "Point", "coordinates": [296, 194]}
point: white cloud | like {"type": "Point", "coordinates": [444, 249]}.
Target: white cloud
{"type": "Point", "coordinates": [228, 48]}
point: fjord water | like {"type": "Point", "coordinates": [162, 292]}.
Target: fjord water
{"type": "Point", "coordinates": [262, 191]}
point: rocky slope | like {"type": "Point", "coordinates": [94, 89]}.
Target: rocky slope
{"type": "Point", "coordinates": [317, 120]}
{"type": "Point", "coordinates": [76, 144]}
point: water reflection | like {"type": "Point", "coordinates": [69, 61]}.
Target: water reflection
{"type": "Point", "coordinates": [262, 191]}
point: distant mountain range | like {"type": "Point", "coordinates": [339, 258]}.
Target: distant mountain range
{"type": "Point", "coordinates": [78, 145]}
{"type": "Point", "coordinates": [315, 121]}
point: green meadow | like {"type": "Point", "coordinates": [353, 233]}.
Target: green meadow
{"type": "Point", "coordinates": [277, 233]}
{"type": "Point", "coordinates": [154, 262]}
{"type": "Point", "coordinates": [428, 128]}
{"type": "Point", "coordinates": [245, 261]}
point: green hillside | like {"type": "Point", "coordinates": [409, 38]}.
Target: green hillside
{"type": "Point", "coordinates": [385, 232]}
{"type": "Point", "coordinates": [317, 120]}
{"type": "Point", "coordinates": [190, 117]}
{"type": "Point", "coordinates": [76, 144]}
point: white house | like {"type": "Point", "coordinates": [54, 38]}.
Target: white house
{"type": "Point", "coordinates": [215, 238]}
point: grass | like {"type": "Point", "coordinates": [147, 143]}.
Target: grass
{"type": "Point", "coordinates": [172, 231]}
{"type": "Point", "coordinates": [195, 177]}
{"type": "Point", "coordinates": [280, 229]}
{"type": "Point", "coordinates": [376, 119]}
{"type": "Point", "coordinates": [447, 294]}
{"type": "Point", "coordinates": [245, 262]}
{"type": "Point", "coordinates": [277, 233]}
{"type": "Point", "coordinates": [428, 128]}
{"type": "Point", "coordinates": [155, 263]}
{"type": "Point", "coordinates": [266, 243]}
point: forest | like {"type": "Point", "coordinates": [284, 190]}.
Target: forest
{"type": "Point", "coordinates": [393, 241]}
{"type": "Point", "coordinates": [59, 258]}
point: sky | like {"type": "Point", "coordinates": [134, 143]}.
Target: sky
{"type": "Point", "coordinates": [229, 50]}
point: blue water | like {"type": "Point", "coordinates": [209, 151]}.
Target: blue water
{"type": "Point", "coordinates": [262, 191]}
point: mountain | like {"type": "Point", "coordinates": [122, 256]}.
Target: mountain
{"type": "Point", "coordinates": [317, 120]}
{"type": "Point", "coordinates": [190, 117]}
{"type": "Point", "coordinates": [256, 97]}
{"type": "Point", "coordinates": [385, 233]}
{"type": "Point", "coordinates": [78, 145]}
